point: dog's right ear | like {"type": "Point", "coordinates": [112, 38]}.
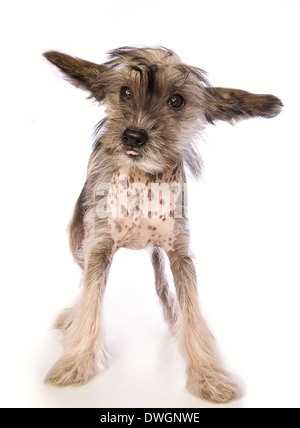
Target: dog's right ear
{"type": "Point", "coordinates": [83, 74]}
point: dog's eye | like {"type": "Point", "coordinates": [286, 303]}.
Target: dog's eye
{"type": "Point", "coordinates": [176, 101]}
{"type": "Point", "coordinates": [125, 93]}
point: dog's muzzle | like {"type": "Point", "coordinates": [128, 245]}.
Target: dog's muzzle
{"type": "Point", "coordinates": [134, 139]}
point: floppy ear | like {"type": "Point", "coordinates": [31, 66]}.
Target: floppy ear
{"type": "Point", "coordinates": [233, 105]}
{"type": "Point", "coordinates": [83, 74]}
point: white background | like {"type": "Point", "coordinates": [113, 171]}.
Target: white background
{"type": "Point", "coordinates": [244, 213]}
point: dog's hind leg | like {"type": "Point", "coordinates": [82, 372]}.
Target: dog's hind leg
{"type": "Point", "coordinates": [76, 237]}
{"type": "Point", "coordinates": [76, 229]}
{"type": "Point", "coordinates": [167, 299]}
{"type": "Point", "coordinates": [64, 319]}
{"type": "Point", "coordinates": [84, 355]}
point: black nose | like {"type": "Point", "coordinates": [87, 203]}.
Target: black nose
{"type": "Point", "coordinates": [134, 138]}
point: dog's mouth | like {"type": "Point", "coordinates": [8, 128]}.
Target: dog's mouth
{"type": "Point", "coordinates": [132, 153]}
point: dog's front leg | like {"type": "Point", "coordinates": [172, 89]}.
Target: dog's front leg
{"type": "Point", "coordinates": [84, 356]}
{"type": "Point", "coordinates": [206, 376]}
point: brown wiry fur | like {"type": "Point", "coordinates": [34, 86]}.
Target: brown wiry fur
{"type": "Point", "coordinates": [153, 76]}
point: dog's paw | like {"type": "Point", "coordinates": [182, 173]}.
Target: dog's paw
{"type": "Point", "coordinates": [217, 386]}
{"type": "Point", "coordinates": [72, 370]}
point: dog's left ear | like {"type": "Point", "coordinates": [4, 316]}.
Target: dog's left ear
{"type": "Point", "coordinates": [83, 74]}
{"type": "Point", "coordinates": [233, 105]}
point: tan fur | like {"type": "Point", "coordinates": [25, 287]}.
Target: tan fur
{"type": "Point", "coordinates": [135, 197]}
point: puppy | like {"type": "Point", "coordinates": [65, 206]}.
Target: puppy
{"type": "Point", "coordinates": [135, 197]}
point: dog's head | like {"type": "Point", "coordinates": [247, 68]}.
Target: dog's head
{"type": "Point", "coordinates": [156, 105]}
